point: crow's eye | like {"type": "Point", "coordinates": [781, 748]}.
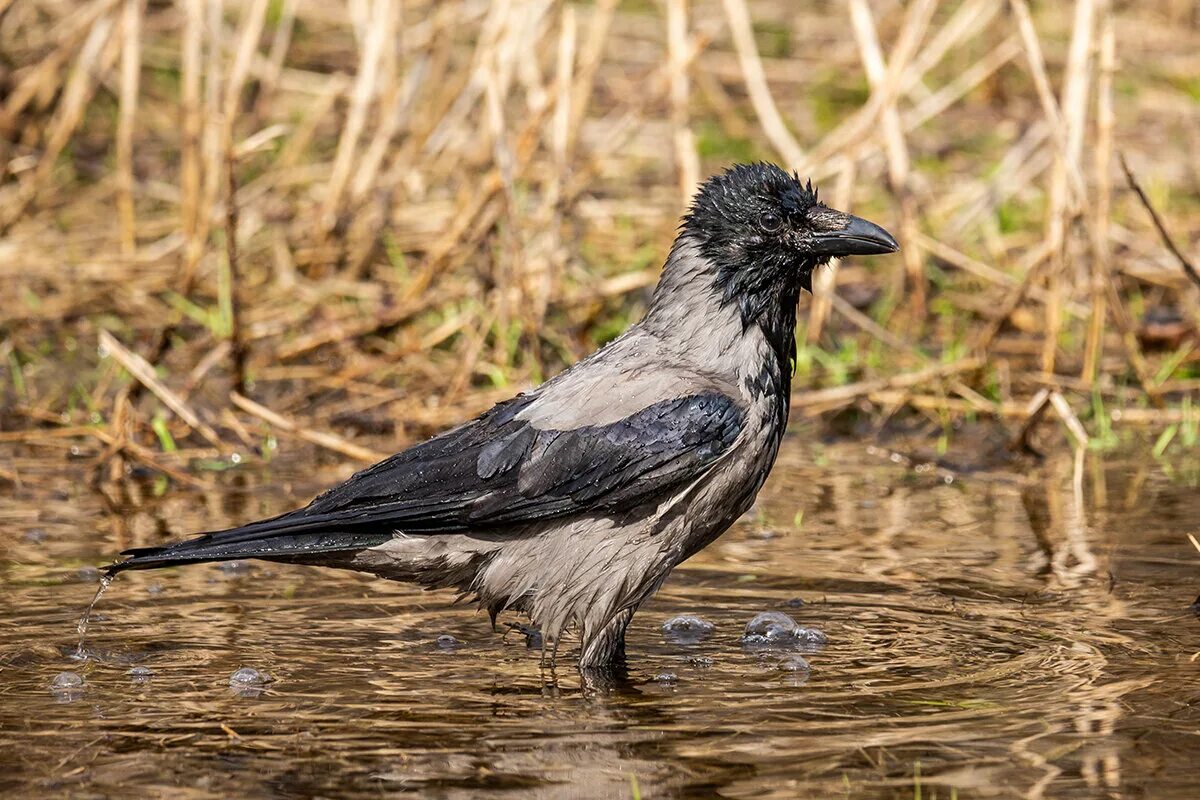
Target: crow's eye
{"type": "Point", "coordinates": [771, 222]}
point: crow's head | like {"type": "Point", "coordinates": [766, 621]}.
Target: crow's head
{"type": "Point", "coordinates": [765, 232]}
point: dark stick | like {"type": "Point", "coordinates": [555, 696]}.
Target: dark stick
{"type": "Point", "coordinates": [1188, 267]}
{"type": "Point", "coordinates": [235, 323]}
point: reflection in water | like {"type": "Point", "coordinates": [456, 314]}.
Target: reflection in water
{"type": "Point", "coordinates": [1005, 634]}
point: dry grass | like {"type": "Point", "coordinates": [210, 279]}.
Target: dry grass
{"type": "Point", "coordinates": [370, 219]}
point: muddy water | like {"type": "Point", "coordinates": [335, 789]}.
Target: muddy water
{"type": "Point", "coordinates": [1021, 633]}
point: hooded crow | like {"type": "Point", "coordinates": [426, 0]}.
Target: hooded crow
{"type": "Point", "coordinates": [572, 502]}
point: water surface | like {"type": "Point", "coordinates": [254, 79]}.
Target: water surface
{"type": "Point", "coordinates": [1022, 632]}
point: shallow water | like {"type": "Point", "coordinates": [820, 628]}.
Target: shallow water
{"type": "Point", "coordinates": [1021, 633]}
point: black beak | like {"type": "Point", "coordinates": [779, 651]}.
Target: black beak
{"type": "Point", "coordinates": [857, 238]}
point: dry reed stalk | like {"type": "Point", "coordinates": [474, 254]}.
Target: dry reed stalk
{"type": "Point", "coordinates": [95, 56]}
{"type": "Point", "coordinates": [73, 29]}
{"type": "Point", "coordinates": [687, 160]}
{"type": "Point", "coordinates": [825, 282]}
{"type": "Point", "coordinates": [1102, 165]}
{"type": "Point", "coordinates": [968, 20]}
{"type": "Point", "coordinates": [268, 77]}
{"type": "Point", "coordinates": [237, 339]}
{"type": "Point", "coordinates": [327, 441]}
{"type": "Point", "coordinates": [590, 56]}
{"type": "Point", "coordinates": [143, 372]}
{"type": "Point", "coordinates": [822, 159]}
{"type": "Point", "coordinates": [774, 128]}
{"type": "Point", "coordinates": [565, 67]}
{"type": "Point", "coordinates": [131, 65]}
{"type": "Point", "coordinates": [1067, 415]}
{"type": "Point", "coordinates": [1031, 45]}
{"type": "Point", "coordinates": [988, 273]}
{"type": "Point", "coordinates": [190, 201]}
{"type": "Point", "coordinates": [916, 21]}
{"type": "Point", "coordinates": [137, 452]}
{"type": "Point", "coordinates": [964, 83]}
{"type": "Point", "coordinates": [1188, 267]}
{"type": "Point", "coordinates": [840, 395]}
{"type": "Point", "coordinates": [213, 135]}
{"type": "Point", "coordinates": [1073, 125]}
{"type": "Point", "coordinates": [365, 89]}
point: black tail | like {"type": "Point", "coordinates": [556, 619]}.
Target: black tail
{"type": "Point", "coordinates": [291, 537]}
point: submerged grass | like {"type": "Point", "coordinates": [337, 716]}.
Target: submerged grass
{"type": "Point", "coordinates": [432, 205]}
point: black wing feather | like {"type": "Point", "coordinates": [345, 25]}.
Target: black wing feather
{"type": "Point", "coordinates": [494, 471]}
{"type": "Point", "coordinates": [499, 470]}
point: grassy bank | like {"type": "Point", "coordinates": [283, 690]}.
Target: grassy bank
{"type": "Point", "coordinates": [226, 227]}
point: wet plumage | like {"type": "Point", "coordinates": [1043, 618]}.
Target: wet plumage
{"type": "Point", "coordinates": [572, 502]}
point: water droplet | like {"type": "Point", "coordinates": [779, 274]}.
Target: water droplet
{"type": "Point", "coordinates": [686, 629]}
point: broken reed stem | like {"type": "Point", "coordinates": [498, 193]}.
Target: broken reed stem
{"type": "Point", "coordinates": [774, 128]}
{"type": "Point", "coordinates": [131, 63]}
{"type": "Point", "coordinates": [1041, 82]}
{"type": "Point", "coordinates": [190, 202]}
{"type": "Point", "coordinates": [1101, 247]}
{"type": "Point", "coordinates": [326, 440]}
{"type": "Point", "coordinates": [1188, 267]}
{"type": "Point", "coordinates": [824, 282]}
{"type": "Point", "coordinates": [143, 372]}
{"type": "Point", "coordinates": [560, 125]}
{"type": "Point", "coordinates": [687, 160]}
{"type": "Point", "coordinates": [365, 90]}
{"type": "Point", "coordinates": [237, 339]}
{"type": "Point", "coordinates": [895, 147]}
{"type": "Point", "coordinates": [1062, 205]}
{"type": "Point", "coordinates": [589, 62]}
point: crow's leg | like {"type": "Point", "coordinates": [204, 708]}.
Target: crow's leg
{"type": "Point", "coordinates": [606, 646]}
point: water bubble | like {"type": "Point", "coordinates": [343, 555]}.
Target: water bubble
{"type": "Point", "coordinates": [140, 674]}
{"type": "Point", "coordinates": [67, 687]}
{"type": "Point", "coordinates": [776, 630]}
{"type": "Point", "coordinates": [447, 642]}
{"type": "Point", "coordinates": [234, 567]}
{"type": "Point", "coordinates": [795, 602]}
{"type": "Point", "coordinates": [154, 589]}
{"type": "Point", "coordinates": [686, 629]}
{"type": "Point", "coordinates": [795, 669]}
{"type": "Point", "coordinates": [701, 661]}
{"type": "Point", "coordinates": [793, 664]}
{"type": "Point", "coordinates": [66, 680]}
{"type": "Point", "coordinates": [249, 678]}
{"type": "Point", "coordinates": [666, 678]}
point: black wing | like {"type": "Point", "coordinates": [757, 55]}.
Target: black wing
{"type": "Point", "coordinates": [494, 471]}
{"type": "Point", "coordinates": [499, 470]}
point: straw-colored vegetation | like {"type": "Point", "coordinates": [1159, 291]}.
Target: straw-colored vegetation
{"type": "Point", "coordinates": [353, 223]}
